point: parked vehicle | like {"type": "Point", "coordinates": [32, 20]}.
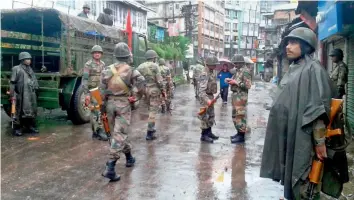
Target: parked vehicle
{"type": "Point", "coordinates": [60, 44]}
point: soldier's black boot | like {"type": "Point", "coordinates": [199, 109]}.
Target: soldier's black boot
{"type": "Point", "coordinates": [17, 131]}
{"type": "Point", "coordinates": [110, 172]}
{"type": "Point", "coordinates": [239, 138]}
{"type": "Point", "coordinates": [33, 127]}
{"type": "Point", "coordinates": [130, 160]}
{"type": "Point", "coordinates": [150, 135]}
{"type": "Point", "coordinates": [211, 135]}
{"type": "Point", "coordinates": [101, 135]}
{"type": "Point", "coordinates": [163, 109]}
{"type": "Point", "coordinates": [205, 136]}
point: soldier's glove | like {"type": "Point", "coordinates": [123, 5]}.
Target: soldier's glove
{"type": "Point", "coordinates": [87, 100]}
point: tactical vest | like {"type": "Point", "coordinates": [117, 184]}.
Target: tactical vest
{"type": "Point", "coordinates": [212, 86]}
{"type": "Point", "coordinates": [238, 76]}
{"type": "Point", "coordinates": [95, 75]}
{"type": "Point", "coordinates": [116, 84]}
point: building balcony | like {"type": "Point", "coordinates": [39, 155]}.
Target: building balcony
{"type": "Point", "coordinates": [272, 27]}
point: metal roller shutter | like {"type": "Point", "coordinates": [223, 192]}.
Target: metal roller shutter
{"type": "Point", "coordinates": [350, 91]}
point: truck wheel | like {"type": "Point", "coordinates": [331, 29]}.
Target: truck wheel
{"type": "Point", "coordinates": [78, 113]}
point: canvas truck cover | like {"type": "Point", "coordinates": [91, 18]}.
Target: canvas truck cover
{"type": "Point", "coordinates": [13, 17]}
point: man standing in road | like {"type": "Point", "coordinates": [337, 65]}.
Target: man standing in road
{"type": "Point", "coordinates": [224, 86]}
{"type": "Point", "coordinates": [339, 74]}
{"type": "Point", "coordinates": [198, 68]}
{"type": "Point", "coordinates": [154, 89]}
{"type": "Point", "coordinates": [23, 92]}
{"type": "Point", "coordinates": [166, 76]}
{"type": "Point", "coordinates": [240, 84]}
{"type": "Point", "coordinates": [85, 11]}
{"type": "Point", "coordinates": [91, 79]}
{"type": "Point", "coordinates": [297, 121]}
{"type": "Point", "coordinates": [207, 88]}
{"type": "Point", "coordinates": [117, 83]}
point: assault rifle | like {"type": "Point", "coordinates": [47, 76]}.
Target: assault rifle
{"type": "Point", "coordinates": [317, 165]}
{"type": "Point", "coordinates": [204, 109]}
{"type": "Point", "coordinates": [95, 93]}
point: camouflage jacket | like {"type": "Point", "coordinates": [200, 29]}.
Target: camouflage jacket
{"type": "Point", "coordinates": [120, 79]}
{"type": "Point", "coordinates": [339, 74]}
{"type": "Point", "coordinates": [197, 70]}
{"type": "Point", "coordinates": [152, 75]}
{"type": "Point", "coordinates": [207, 85]}
{"type": "Point", "coordinates": [243, 80]}
{"type": "Point", "coordinates": [82, 14]}
{"type": "Point", "coordinates": [91, 74]}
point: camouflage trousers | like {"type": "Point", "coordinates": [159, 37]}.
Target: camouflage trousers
{"type": "Point", "coordinates": [154, 102]}
{"type": "Point", "coordinates": [208, 118]}
{"type": "Point", "coordinates": [95, 117]}
{"type": "Point", "coordinates": [196, 87]}
{"type": "Point", "coordinates": [119, 116]}
{"type": "Point", "coordinates": [239, 110]}
{"type": "Point", "coordinates": [166, 102]}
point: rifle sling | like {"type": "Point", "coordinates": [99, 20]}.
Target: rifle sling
{"type": "Point", "coordinates": [120, 80]}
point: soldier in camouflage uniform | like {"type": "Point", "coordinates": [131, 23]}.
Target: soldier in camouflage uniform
{"type": "Point", "coordinates": [85, 11]}
{"type": "Point", "coordinates": [240, 84]}
{"type": "Point", "coordinates": [91, 79]}
{"type": "Point", "coordinates": [166, 76]}
{"type": "Point", "coordinates": [120, 86]}
{"type": "Point", "coordinates": [339, 74]}
{"type": "Point", "coordinates": [196, 73]}
{"type": "Point", "coordinates": [207, 88]}
{"type": "Point", "coordinates": [154, 89]}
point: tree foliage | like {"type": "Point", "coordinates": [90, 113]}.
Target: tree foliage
{"type": "Point", "coordinates": [173, 48]}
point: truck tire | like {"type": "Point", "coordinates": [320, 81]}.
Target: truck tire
{"type": "Point", "coordinates": [78, 113]}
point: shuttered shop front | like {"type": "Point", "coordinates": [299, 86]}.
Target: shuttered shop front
{"type": "Point", "coordinates": [350, 96]}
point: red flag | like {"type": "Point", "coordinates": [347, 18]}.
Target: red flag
{"type": "Point", "coordinates": [129, 30]}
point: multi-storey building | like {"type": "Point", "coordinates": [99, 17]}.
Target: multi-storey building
{"type": "Point", "coordinates": [74, 7]}
{"type": "Point", "coordinates": [233, 13]}
{"type": "Point", "coordinates": [208, 21]}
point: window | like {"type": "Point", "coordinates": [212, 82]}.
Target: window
{"type": "Point", "coordinates": [134, 16]}
{"type": "Point", "coordinates": [227, 25]}
{"type": "Point", "coordinates": [227, 13]}
{"type": "Point", "coordinates": [234, 26]}
{"type": "Point", "coordinates": [177, 6]}
{"type": "Point", "coordinates": [67, 3]}
{"type": "Point", "coordinates": [115, 11]}
{"type": "Point", "coordinates": [227, 38]}
{"type": "Point", "coordinates": [170, 6]}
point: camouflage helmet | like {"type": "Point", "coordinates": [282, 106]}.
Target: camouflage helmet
{"type": "Point", "coordinates": [337, 53]}
{"type": "Point", "coordinates": [97, 48]}
{"type": "Point", "coordinates": [24, 55]}
{"type": "Point", "coordinates": [86, 6]}
{"type": "Point", "coordinates": [121, 50]}
{"type": "Point", "coordinates": [304, 34]}
{"type": "Point", "coordinates": [162, 61]}
{"type": "Point", "coordinates": [212, 60]}
{"type": "Point", "coordinates": [238, 58]}
{"type": "Point", "coordinates": [150, 54]}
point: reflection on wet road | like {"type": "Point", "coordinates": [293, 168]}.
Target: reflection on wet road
{"type": "Point", "coordinates": [65, 163]}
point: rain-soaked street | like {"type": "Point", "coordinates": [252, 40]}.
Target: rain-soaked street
{"type": "Point", "coordinates": [65, 163]}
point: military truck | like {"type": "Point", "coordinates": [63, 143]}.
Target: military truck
{"type": "Point", "coordinates": [60, 44]}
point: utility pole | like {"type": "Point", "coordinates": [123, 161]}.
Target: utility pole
{"type": "Point", "coordinates": [187, 12]}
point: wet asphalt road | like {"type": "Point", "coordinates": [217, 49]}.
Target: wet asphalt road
{"type": "Point", "coordinates": [65, 163]}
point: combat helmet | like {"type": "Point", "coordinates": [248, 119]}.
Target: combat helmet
{"type": "Point", "coordinates": [337, 52]}
{"type": "Point", "coordinates": [121, 50]}
{"type": "Point", "coordinates": [24, 55]}
{"type": "Point", "coordinates": [97, 48]}
{"type": "Point", "coordinates": [304, 34]}
{"type": "Point", "coordinates": [162, 61]}
{"type": "Point", "coordinates": [150, 54]}
{"type": "Point", "coordinates": [212, 60]}
{"type": "Point", "coordinates": [86, 6]}
{"type": "Point", "coordinates": [238, 58]}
